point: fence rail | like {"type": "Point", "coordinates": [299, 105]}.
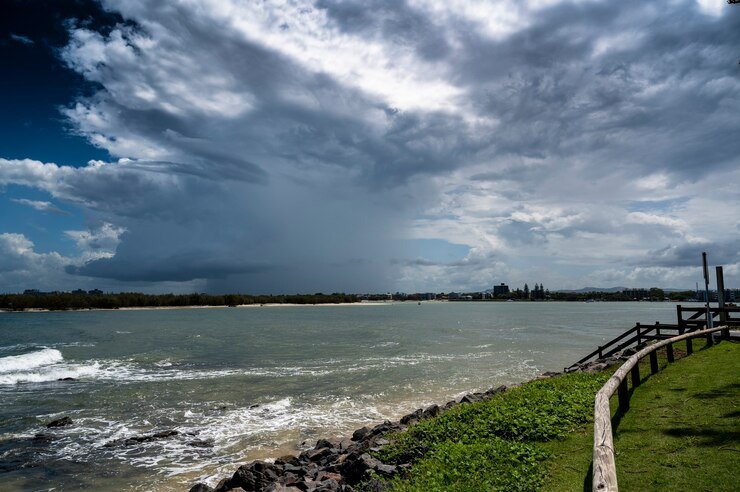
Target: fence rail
{"type": "Point", "coordinates": [689, 319]}
{"type": "Point", "coordinates": [604, 467]}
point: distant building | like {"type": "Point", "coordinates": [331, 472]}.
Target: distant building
{"type": "Point", "coordinates": [500, 290]}
{"type": "Point", "coordinates": [453, 296]}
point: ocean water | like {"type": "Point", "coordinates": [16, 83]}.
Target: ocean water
{"type": "Point", "coordinates": [246, 383]}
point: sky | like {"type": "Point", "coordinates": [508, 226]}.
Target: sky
{"type": "Point", "coordinates": [367, 146]}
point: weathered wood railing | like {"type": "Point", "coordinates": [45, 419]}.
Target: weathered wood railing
{"type": "Point", "coordinates": [604, 467]}
{"type": "Point", "coordinates": [635, 336]}
{"type": "Point", "coordinates": [689, 319]}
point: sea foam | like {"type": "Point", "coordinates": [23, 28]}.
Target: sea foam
{"type": "Point", "coordinates": [32, 360]}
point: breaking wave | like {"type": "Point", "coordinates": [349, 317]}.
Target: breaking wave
{"type": "Point", "coordinates": [32, 360]}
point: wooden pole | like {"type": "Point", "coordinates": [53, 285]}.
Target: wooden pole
{"type": "Point", "coordinates": [624, 396]}
{"type": "Point", "coordinates": [653, 363]}
{"type": "Point", "coordinates": [635, 372]}
{"type": "Point", "coordinates": [710, 322]}
{"type": "Point", "coordinates": [721, 300]}
{"type": "Point", "coordinates": [669, 352]}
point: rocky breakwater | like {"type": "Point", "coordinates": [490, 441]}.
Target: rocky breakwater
{"type": "Point", "coordinates": [334, 465]}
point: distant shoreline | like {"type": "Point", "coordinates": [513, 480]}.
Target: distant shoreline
{"type": "Point", "coordinates": [169, 308]}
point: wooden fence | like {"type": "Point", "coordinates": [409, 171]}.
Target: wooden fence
{"type": "Point", "coordinates": [604, 468]}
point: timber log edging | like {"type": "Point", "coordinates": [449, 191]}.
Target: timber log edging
{"type": "Point", "coordinates": [604, 467]}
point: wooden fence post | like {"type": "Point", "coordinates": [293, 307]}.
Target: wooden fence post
{"type": "Point", "coordinates": [669, 352]}
{"type": "Point", "coordinates": [689, 346]}
{"type": "Point", "coordinates": [624, 396]}
{"type": "Point", "coordinates": [635, 371]}
{"type": "Point", "coordinates": [653, 363]}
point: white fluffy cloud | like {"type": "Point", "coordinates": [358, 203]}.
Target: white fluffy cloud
{"type": "Point", "coordinates": [286, 146]}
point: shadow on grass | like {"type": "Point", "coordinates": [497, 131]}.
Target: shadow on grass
{"type": "Point", "coordinates": [588, 479]}
{"type": "Point", "coordinates": [707, 437]}
{"type": "Point", "coordinates": [726, 390]}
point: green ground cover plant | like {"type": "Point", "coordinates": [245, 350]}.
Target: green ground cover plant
{"type": "Point", "coordinates": [495, 444]}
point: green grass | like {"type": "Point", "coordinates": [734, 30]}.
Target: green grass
{"type": "Point", "coordinates": [496, 444]}
{"type": "Point", "coordinates": [681, 433]}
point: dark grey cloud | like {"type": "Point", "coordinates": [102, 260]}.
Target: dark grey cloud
{"type": "Point", "coordinates": [291, 138]}
{"type": "Point", "coordinates": [176, 268]}
{"type": "Point", "coordinates": [687, 254]}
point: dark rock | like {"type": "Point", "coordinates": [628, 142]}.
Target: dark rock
{"type": "Point", "coordinates": [59, 422]}
{"type": "Point", "coordinates": [385, 470]}
{"type": "Point", "coordinates": [345, 443]}
{"type": "Point", "coordinates": [279, 487]}
{"type": "Point", "coordinates": [596, 367]}
{"type": "Point", "coordinates": [360, 434]}
{"type": "Point", "coordinates": [223, 485]}
{"type": "Point", "coordinates": [375, 485]}
{"type": "Point", "coordinates": [146, 438]}
{"type": "Point", "coordinates": [430, 411]}
{"type": "Point", "coordinates": [412, 417]}
{"type": "Point", "coordinates": [66, 379]}
{"type": "Point", "coordinates": [449, 405]}
{"type": "Point", "coordinates": [200, 487]}
{"type": "Point", "coordinates": [319, 455]}
{"type": "Point", "coordinates": [201, 443]}
{"type": "Point", "coordinates": [255, 476]}
{"type": "Point", "coordinates": [288, 459]}
{"type": "Point", "coordinates": [355, 467]}
{"type": "Point", "coordinates": [326, 443]}
{"type": "Point", "coordinates": [469, 398]}
{"type": "Point", "coordinates": [324, 475]}
{"type": "Point", "coordinates": [495, 391]}
{"type": "Point", "coordinates": [252, 407]}
{"type": "Point", "coordinates": [384, 428]}
{"type": "Point", "coordinates": [329, 485]}
{"type": "Point", "coordinates": [43, 438]}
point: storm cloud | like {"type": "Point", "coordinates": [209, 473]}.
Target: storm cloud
{"type": "Point", "coordinates": [306, 146]}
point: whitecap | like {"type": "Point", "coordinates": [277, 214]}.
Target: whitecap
{"type": "Point", "coordinates": [31, 360]}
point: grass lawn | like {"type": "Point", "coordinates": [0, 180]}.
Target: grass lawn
{"type": "Point", "coordinates": [681, 433]}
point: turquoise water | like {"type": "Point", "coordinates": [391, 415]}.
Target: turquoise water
{"type": "Point", "coordinates": [246, 383]}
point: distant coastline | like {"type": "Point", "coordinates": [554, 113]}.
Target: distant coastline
{"type": "Point", "coordinates": [172, 308]}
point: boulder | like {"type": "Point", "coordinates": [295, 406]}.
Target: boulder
{"type": "Point", "coordinates": [62, 422]}
{"type": "Point", "coordinates": [495, 391]}
{"type": "Point", "coordinates": [288, 459]}
{"type": "Point", "coordinates": [327, 443]}
{"type": "Point", "coordinates": [329, 485]}
{"type": "Point", "coordinates": [147, 438]}
{"type": "Point", "coordinates": [430, 411]}
{"type": "Point", "coordinates": [360, 434]}
{"type": "Point", "coordinates": [255, 476]}
{"type": "Point", "coordinates": [200, 487]}
{"type": "Point", "coordinates": [279, 487]}
{"type": "Point", "coordinates": [469, 398]}
{"type": "Point", "coordinates": [412, 417]}
{"type": "Point", "coordinates": [355, 466]}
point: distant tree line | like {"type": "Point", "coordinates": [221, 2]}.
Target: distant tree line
{"type": "Point", "coordinates": [60, 301]}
